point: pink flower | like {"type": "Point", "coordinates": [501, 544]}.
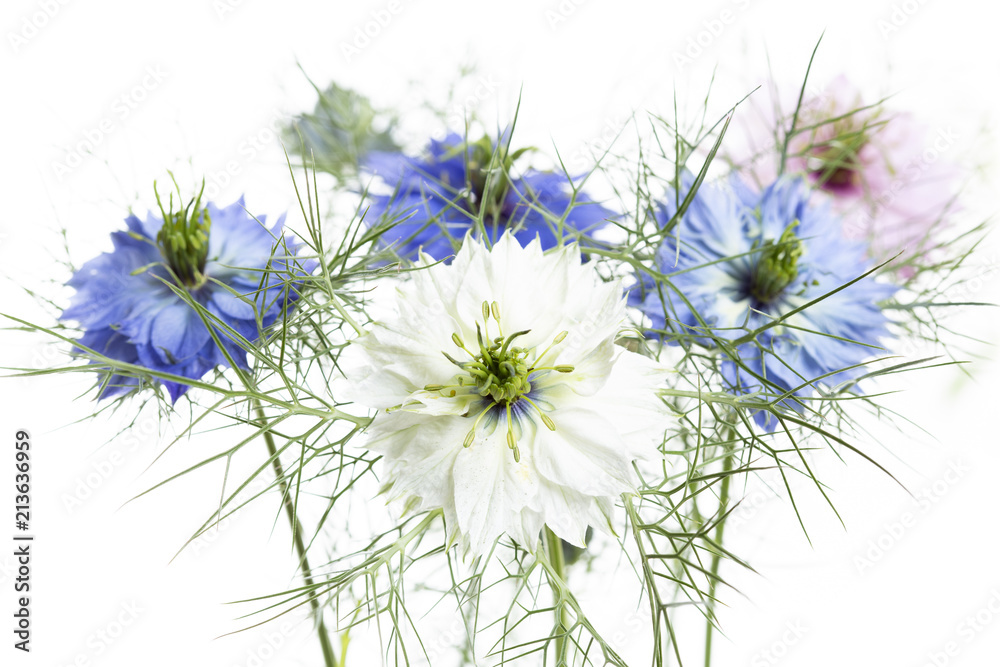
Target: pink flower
{"type": "Point", "coordinates": [886, 174]}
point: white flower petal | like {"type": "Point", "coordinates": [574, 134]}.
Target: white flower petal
{"type": "Point", "coordinates": [630, 404]}
{"type": "Point", "coordinates": [568, 513]}
{"type": "Point", "coordinates": [605, 409]}
{"type": "Point", "coordinates": [583, 453]}
{"type": "Point", "coordinates": [491, 490]}
{"type": "Point", "coordinates": [421, 452]}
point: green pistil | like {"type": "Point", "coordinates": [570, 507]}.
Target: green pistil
{"type": "Point", "coordinates": [183, 238]}
{"type": "Point", "coordinates": [499, 373]}
{"type": "Point", "coordinates": [500, 370]}
{"type": "Point", "coordinates": [777, 265]}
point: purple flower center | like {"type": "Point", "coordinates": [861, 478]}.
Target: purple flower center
{"type": "Point", "coordinates": [835, 165]}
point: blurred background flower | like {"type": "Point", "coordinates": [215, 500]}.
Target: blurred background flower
{"type": "Point", "coordinates": [886, 174]}
{"type": "Point", "coordinates": [342, 128]}
{"type": "Point", "coordinates": [582, 68]}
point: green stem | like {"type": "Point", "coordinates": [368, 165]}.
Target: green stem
{"type": "Point", "coordinates": [554, 553]}
{"type": "Point", "coordinates": [329, 658]}
{"type": "Point", "coordinates": [720, 527]}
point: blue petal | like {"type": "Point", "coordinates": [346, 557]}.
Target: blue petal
{"type": "Point", "coordinates": [134, 316]}
{"type": "Point", "coordinates": [178, 333]}
{"type": "Point", "coordinates": [536, 202]}
{"type": "Point", "coordinates": [113, 345]}
{"type": "Point", "coordinates": [232, 307]}
{"type": "Point", "coordinates": [701, 259]}
{"type": "Point", "coordinates": [237, 240]}
{"type": "Point", "coordinates": [426, 198]}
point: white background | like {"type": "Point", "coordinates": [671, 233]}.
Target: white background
{"type": "Point", "coordinates": [226, 72]}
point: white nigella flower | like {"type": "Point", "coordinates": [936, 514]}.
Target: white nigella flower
{"type": "Point", "coordinates": [503, 398]}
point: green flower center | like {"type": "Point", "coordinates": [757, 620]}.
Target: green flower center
{"type": "Point", "coordinates": [500, 373]}
{"type": "Point", "coordinates": [777, 265]}
{"type": "Point", "coordinates": [183, 239]}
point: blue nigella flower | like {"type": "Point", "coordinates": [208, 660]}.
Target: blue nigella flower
{"type": "Point", "coordinates": [224, 259]}
{"type": "Point", "coordinates": [743, 259]}
{"type": "Point", "coordinates": [439, 197]}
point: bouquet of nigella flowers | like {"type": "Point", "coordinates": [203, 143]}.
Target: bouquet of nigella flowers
{"type": "Point", "coordinates": [529, 385]}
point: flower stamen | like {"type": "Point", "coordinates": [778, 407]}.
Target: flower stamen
{"type": "Point", "coordinates": [442, 387]}
{"type": "Point", "coordinates": [496, 315]}
{"type": "Point", "coordinates": [511, 438]}
{"type": "Point", "coordinates": [501, 374]}
{"type": "Point", "coordinates": [555, 341]}
{"type": "Point", "coordinates": [471, 437]}
{"type": "Point", "coordinates": [549, 424]}
{"type": "Point", "coordinates": [565, 368]}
